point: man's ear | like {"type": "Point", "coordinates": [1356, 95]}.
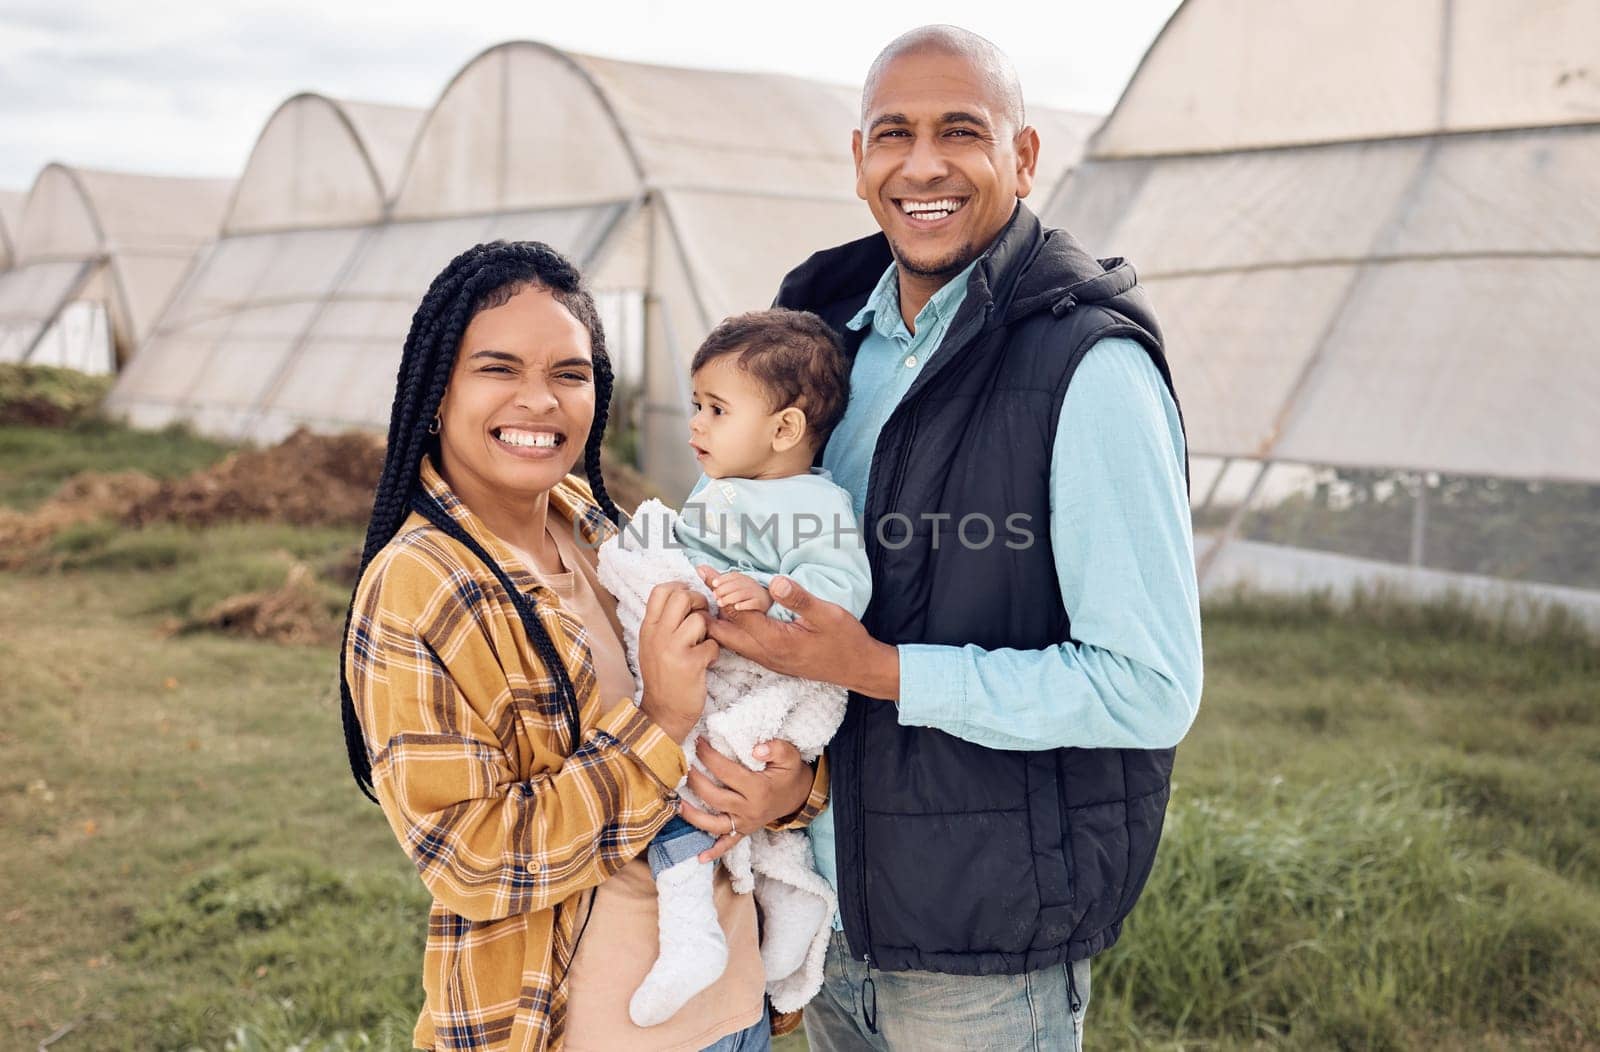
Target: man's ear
{"type": "Point", "coordinates": [1027, 146]}
{"type": "Point", "coordinates": [855, 151]}
{"type": "Point", "coordinates": [791, 429]}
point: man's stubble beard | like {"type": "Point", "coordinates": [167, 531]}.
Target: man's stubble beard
{"type": "Point", "coordinates": [946, 268]}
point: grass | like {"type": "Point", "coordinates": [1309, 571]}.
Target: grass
{"type": "Point", "coordinates": [44, 395]}
{"type": "Point", "coordinates": [1383, 834]}
{"type": "Point", "coordinates": [178, 812]}
{"type": "Point", "coordinates": [197, 568]}
{"type": "Point", "coordinates": [37, 460]}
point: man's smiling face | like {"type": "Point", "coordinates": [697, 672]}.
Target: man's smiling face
{"type": "Point", "coordinates": [940, 160]}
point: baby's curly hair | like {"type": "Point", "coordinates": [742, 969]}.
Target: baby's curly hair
{"type": "Point", "coordinates": [795, 357]}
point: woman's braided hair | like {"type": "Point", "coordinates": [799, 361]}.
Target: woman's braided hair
{"type": "Point", "coordinates": [483, 277]}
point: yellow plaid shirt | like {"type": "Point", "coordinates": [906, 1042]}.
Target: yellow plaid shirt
{"type": "Point", "coordinates": [465, 733]}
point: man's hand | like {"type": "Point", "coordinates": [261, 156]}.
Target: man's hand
{"type": "Point", "coordinates": [823, 643]}
{"type": "Point", "coordinates": [748, 800]}
{"type": "Point", "coordinates": [736, 591]}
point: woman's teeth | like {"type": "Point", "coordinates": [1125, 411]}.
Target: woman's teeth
{"type": "Point", "coordinates": [931, 209]}
{"type": "Point", "coordinates": [530, 439]}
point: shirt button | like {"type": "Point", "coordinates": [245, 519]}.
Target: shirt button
{"type": "Point", "coordinates": [533, 867]}
{"type": "Point", "coordinates": [911, 361]}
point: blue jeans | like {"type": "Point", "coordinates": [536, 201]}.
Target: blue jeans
{"type": "Point", "coordinates": [925, 1011]}
{"type": "Point", "coordinates": [677, 842]}
{"type": "Point", "coordinates": [755, 1038]}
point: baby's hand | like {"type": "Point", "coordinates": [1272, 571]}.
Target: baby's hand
{"type": "Point", "coordinates": [736, 591]}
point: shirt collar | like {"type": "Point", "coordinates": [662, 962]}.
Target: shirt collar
{"type": "Point", "coordinates": [570, 502]}
{"type": "Point", "coordinates": [882, 309]}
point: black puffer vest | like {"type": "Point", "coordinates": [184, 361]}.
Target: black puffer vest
{"type": "Point", "coordinates": [953, 857]}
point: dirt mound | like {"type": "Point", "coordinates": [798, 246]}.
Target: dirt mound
{"type": "Point", "coordinates": [102, 493]}
{"type": "Point", "coordinates": [82, 498]}
{"type": "Point", "coordinates": [291, 613]}
{"type": "Point", "coordinates": [305, 480]}
{"type": "Point", "coordinates": [37, 412]}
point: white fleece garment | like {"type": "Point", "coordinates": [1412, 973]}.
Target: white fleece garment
{"type": "Point", "coordinates": [746, 704]}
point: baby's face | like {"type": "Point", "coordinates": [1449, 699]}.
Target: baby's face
{"type": "Point", "coordinates": [733, 426]}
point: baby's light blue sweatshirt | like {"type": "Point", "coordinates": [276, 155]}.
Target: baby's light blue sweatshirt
{"type": "Point", "coordinates": [801, 527]}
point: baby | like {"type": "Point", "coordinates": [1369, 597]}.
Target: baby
{"type": "Point", "coordinates": [769, 387]}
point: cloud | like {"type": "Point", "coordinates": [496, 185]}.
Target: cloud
{"type": "Point", "coordinates": [153, 87]}
{"type": "Point", "coordinates": [192, 98]}
{"type": "Point", "coordinates": [25, 17]}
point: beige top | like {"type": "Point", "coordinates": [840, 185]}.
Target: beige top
{"type": "Point", "coordinates": [619, 945]}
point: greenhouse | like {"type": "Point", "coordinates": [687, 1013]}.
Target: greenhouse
{"type": "Point", "coordinates": [298, 313]}
{"type": "Point", "coordinates": [1375, 257]}
{"type": "Point", "coordinates": [315, 185]}
{"type": "Point", "coordinates": [11, 202]}
{"type": "Point", "coordinates": [95, 256]}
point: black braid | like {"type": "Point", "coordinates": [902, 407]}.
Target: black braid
{"type": "Point", "coordinates": [597, 434]}
{"type": "Point", "coordinates": [480, 278]}
{"type": "Point", "coordinates": [566, 694]}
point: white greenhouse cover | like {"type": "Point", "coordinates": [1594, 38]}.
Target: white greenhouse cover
{"type": "Point", "coordinates": [322, 162]}
{"type": "Point", "coordinates": [1241, 74]}
{"type": "Point", "coordinates": [123, 240]}
{"type": "Point", "coordinates": [1415, 288]}
{"type": "Point", "coordinates": [11, 202]}
{"type": "Point", "coordinates": [30, 296]}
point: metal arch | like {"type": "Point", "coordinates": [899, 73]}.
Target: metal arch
{"type": "Point", "coordinates": [506, 48]}
{"type": "Point", "coordinates": [101, 256]}
{"type": "Point", "coordinates": [8, 248]}
{"type": "Point", "coordinates": [86, 199]}
{"type": "Point", "coordinates": [380, 193]}
{"type": "Point", "coordinates": [1092, 146]}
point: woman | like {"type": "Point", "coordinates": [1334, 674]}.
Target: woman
{"type": "Point", "coordinates": [487, 701]}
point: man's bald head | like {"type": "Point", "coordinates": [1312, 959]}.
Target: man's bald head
{"type": "Point", "coordinates": [988, 61]}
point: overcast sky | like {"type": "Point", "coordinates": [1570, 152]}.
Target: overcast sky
{"type": "Point", "coordinates": [183, 87]}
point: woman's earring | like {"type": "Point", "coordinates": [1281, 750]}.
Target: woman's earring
{"type": "Point", "coordinates": [433, 428]}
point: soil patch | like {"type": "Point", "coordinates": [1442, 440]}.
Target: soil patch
{"type": "Point", "coordinates": [82, 498]}
{"type": "Point", "coordinates": [305, 480]}
{"type": "Point", "coordinates": [294, 612]}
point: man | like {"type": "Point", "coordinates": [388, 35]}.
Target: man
{"type": "Point", "coordinates": [1031, 654]}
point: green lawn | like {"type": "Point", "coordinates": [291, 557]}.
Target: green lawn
{"type": "Point", "coordinates": [1384, 832]}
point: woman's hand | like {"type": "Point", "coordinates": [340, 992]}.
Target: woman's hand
{"type": "Point", "coordinates": [674, 653]}
{"type": "Point", "coordinates": [749, 800]}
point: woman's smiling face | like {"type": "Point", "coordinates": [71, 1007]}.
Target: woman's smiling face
{"type": "Point", "coordinates": [521, 399]}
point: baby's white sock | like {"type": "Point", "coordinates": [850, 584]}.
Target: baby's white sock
{"type": "Point", "coordinates": [790, 920]}
{"type": "Point", "coordinates": [693, 950]}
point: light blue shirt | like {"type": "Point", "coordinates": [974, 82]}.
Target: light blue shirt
{"type": "Point", "coordinates": [1123, 551]}
{"type": "Point", "coordinates": [889, 359]}
{"type": "Point", "coordinates": [802, 527]}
